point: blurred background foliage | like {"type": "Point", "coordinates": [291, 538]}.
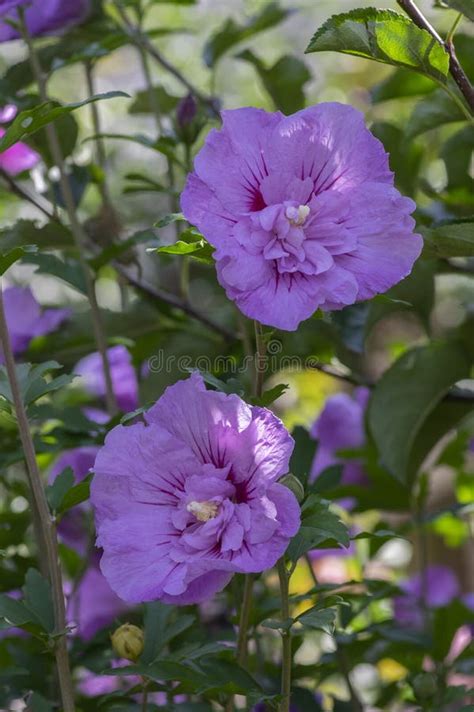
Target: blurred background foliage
{"type": "Point", "coordinates": [160, 300]}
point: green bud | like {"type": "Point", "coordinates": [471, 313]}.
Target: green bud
{"type": "Point", "coordinates": [294, 485]}
{"type": "Point", "coordinates": [424, 685]}
{"type": "Point", "coordinates": [127, 641]}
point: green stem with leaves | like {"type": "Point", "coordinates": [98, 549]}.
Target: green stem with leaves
{"type": "Point", "coordinates": [286, 663]}
{"type": "Point", "coordinates": [79, 235]}
{"type": "Point", "coordinates": [45, 527]}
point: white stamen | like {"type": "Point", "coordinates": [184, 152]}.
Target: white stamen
{"type": "Point", "coordinates": [203, 511]}
{"type": "Point", "coordinates": [297, 216]}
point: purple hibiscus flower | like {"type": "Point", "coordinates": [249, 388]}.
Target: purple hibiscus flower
{"type": "Point", "coordinates": [20, 157]}
{"type": "Point", "coordinates": [43, 17]}
{"type": "Point", "coordinates": [190, 496]}
{"type": "Point", "coordinates": [26, 319]}
{"type": "Point", "coordinates": [124, 378]}
{"type": "Point", "coordinates": [301, 210]}
{"type": "Point", "coordinates": [92, 605]}
{"type": "Point", "coordinates": [439, 586]}
{"type": "Point", "coordinates": [340, 426]}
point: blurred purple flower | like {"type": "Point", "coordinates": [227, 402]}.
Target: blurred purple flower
{"type": "Point", "coordinates": [72, 528]}
{"type": "Point", "coordinates": [92, 604]}
{"type": "Point", "coordinates": [26, 319]}
{"type": "Point", "coordinates": [301, 210]}
{"type": "Point", "coordinates": [43, 17]}
{"type": "Point", "coordinates": [438, 584]}
{"type": "Point", "coordinates": [340, 426]}
{"type": "Point", "coordinates": [124, 377]}
{"type": "Point", "coordinates": [19, 157]}
{"type": "Point", "coordinates": [186, 111]}
{"type": "Point", "coordinates": [190, 497]}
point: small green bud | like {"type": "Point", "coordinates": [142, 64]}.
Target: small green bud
{"type": "Point", "coordinates": [127, 641]}
{"type": "Point", "coordinates": [424, 685]}
{"type": "Point", "coordinates": [294, 485]}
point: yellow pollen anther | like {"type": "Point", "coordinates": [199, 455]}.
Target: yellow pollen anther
{"type": "Point", "coordinates": [297, 216]}
{"type": "Point", "coordinates": [203, 511]}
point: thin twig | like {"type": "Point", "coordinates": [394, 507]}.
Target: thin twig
{"type": "Point", "coordinates": [24, 195]}
{"type": "Point", "coordinates": [45, 523]}
{"type": "Point", "coordinates": [455, 68]}
{"type": "Point", "coordinates": [286, 637]}
{"type": "Point", "coordinates": [77, 230]}
{"type": "Point", "coordinates": [140, 39]}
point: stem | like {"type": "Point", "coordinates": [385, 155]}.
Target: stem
{"type": "Point", "coordinates": [244, 620]}
{"type": "Point", "coordinates": [140, 38]}
{"type": "Point", "coordinates": [45, 524]}
{"type": "Point", "coordinates": [311, 570]}
{"type": "Point", "coordinates": [450, 35]}
{"type": "Point", "coordinates": [342, 660]}
{"type": "Point", "coordinates": [260, 361]}
{"type": "Point", "coordinates": [286, 637]}
{"type": "Point", "coordinates": [455, 68]}
{"type": "Point", "coordinates": [145, 695]}
{"type": "Point", "coordinates": [80, 237]}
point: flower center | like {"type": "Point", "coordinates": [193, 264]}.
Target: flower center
{"type": "Point", "coordinates": [297, 216]}
{"type": "Point", "coordinates": [203, 511]}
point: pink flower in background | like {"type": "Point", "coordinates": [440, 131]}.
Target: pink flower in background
{"type": "Point", "coordinates": [302, 212]}
{"type": "Point", "coordinates": [124, 377]}
{"type": "Point", "coordinates": [26, 318]}
{"type": "Point", "coordinates": [190, 496]}
{"type": "Point", "coordinates": [43, 17]}
{"type": "Point", "coordinates": [19, 157]}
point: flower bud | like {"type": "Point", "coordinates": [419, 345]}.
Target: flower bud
{"type": "Point", "coordinates": [424, 685]}
{"type": "Point", "coordinates": [186, 111]}
{"type": "Point", "coordinates": [127, 641]}
{"type": "Point", "coordinates": [294, 485]}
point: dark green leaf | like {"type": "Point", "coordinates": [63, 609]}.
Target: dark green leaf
{"type": "Point", "coordinates": [404, 156]}
{"type": "Point", "coordinates": [142, 103]}
{"type": "Point", "coordinates": [155, 622]}
{"type": "Point", "coordinates": [29, 232]}
{"type": "Point", "coordinates": [15, 612]}
{"type": "Point", "coordinates": [464, 6]}
{"type": "Point", "coordinates": [435, 110]}
{"type": "Point", "coordinates": [457, 154]}
{"type": "Point", "coordinates": [168, 219]}
{"type": "Point", "coordinates": [405, 396]}
{"type": "Point", "coordinates": [67, 269]}
{"type": "Point", "coordinates": [450, 239]}
{"type": "Point", "coordinates": [268, 397]}
{"type": "Point", "coordinates": [402, 83]}
{"type": "Point", "coordinates": [38, 599]}
{"type": "Point", "coordinates": [9, 258]}
{"type": "Point", "coordinates": [284, 81]}
{"type": "Point", "coordinates": [76, 495]}
{"type": "Point", "coordinates": [319, 524]}
{"type": "Point", "coordinates": [322, 616]}
{"type": "Point", "coordinates": [28, 122]}
{"type": "Point", "coordinates": [231, 33]}
{"type": "Point", "coordinates": [303, 454]}
{"type": "Point", "coordinates": [58, 490]}
{"type": "Point", "coordinates": [446, 621]}
{"type": "Point", "coordinates": [385, 36]}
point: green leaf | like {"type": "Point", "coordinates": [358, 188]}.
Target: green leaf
{"type": "Point", "coordinates": [28, 122]}
{"type": "Point", "coordinates": [38, 703]}
{"type": "Point", "coordinates": [231, 33]}
{"type": "Point", "coordinates": [450, 239]}
{"type": "Point", "coordinates": [75, 495]}
{"type": "Point", "coordinates": [456, 153]}
{"type": "Point", "coordinates": [112, 252]}
{"type": "Point", "coordinates": [446, 621]}
{"type": "Point", "coordinates": [400, 84]}
{"type": "Point", "coordinates": [406, 394]}
{"type": "Point", "coordinates": [155, 621]}
{"type": "Point", "coordinates": [404, 156]}
{"type": "Point", "coordinates": [29, 232]}
{"type": "Point", "coordinates": [165, 144]}
{"type": "Point", "coordinates": [319, 524]}
{"type": "Point", "coordinates": [284, 81]}
{"type": "Point", "coordinates": [385, 36]}
{"type": "Point", "coordinates": [56, 492]}
{"type": "Point", "coordinates": [166, 102]}
{"type": "Point", "coordinates": [303, 453]}
{"type": "Point", "coordinates": [464, 6]}
{"type": "Point", "coordinates": [9, 258]}
{"type": "Point", "coordinates": [15, 612]}
{"type": "Point", "coordinates": [38, 599]}
{"type": "Point", "coordinates": [268, 397]}
{"type": "Point", "coordinates": [66, 269]}
{"type": "Point", "coordinates": [435, 110]}
{"type": "Point", "coordinates": [327, 480]}
{"type": "Point", "coordinates": [168, 219]}
{"type": "Point", "coordinates": [322, 616]}
{"type": "Point", "coordinates": [32, 382]}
